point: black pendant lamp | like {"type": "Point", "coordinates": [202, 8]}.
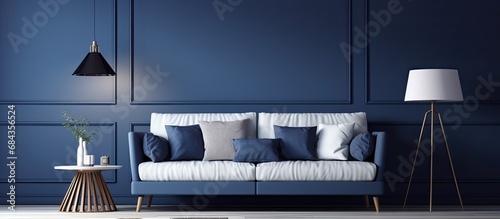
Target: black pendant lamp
{"type": "Point", "coordinates": [94, 63]}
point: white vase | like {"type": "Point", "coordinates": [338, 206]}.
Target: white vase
{"type": "Point", "coordinates": [81, 152]}
{"type": "Point", "coordinates": [84, 149]}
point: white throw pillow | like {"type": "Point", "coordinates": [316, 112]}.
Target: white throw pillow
{"type": "Point", "coordinates": [333, 141]}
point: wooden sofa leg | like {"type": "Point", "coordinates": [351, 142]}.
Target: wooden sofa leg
{"type": "Point", "coordinates": [367, 201]}
{"type": "Point", "coordinates": [139, 203]}
{"type": "Point", "coordinates": [375, 202]}
{"type": "Point", "coordinates": [150, 199]}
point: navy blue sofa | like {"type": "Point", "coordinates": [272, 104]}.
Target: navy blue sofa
{"type": "Point", "coordinates": [373, 188]}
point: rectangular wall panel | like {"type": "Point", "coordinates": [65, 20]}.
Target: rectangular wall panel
{"type": "Point", "coordinates": [43, 44]}
{"type": "Point", "coordinates": [430, 34]}
{"type": "Point", "coordinates": [139, 127]}
{"type": "Point", "coordinates": [42, 145]}
{"type": "Point", "coordinates": [260, 52]}
{"type": "Point", "coordinates": [471, 155]}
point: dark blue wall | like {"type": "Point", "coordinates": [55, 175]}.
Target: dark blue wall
{"type": "Point", "coordinates": [249, 55]}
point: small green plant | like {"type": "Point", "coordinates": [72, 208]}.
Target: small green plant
{"type": "Point", "coordinates": [78, 126]}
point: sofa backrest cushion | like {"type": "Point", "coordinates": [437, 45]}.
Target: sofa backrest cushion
{"type": "Point", "coordinates": [159, 120]}
{"type": "Point", "coordinates": [268, 120]}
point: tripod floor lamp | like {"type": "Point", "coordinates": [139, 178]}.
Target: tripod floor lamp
{"type": "Point", "coordinates": [433, 85]}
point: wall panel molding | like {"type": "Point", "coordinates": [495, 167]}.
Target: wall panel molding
{"type": "Point", "coordinates": [470, 66]}
{"type": "Point", "coordinates": [142, 95]}
{"type": "Point", "coordinates": [20, 91]}
{"type": "Point", "coordinates": [463, 148]}
{"type": "Point", "coordinates": [31, 142]}
{"type": "Point", "coordinates": [133, 125]}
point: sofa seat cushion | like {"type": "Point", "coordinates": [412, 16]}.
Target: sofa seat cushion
{"type": "Point", "coordinates": [316, 171]}
{"type": "Point", "coordinates": [197, 171]}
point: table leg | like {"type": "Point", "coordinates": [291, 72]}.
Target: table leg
{"type": "Point", "coordinates": [89, 192]}
{"type": "Point", "coordinates": [82, 194]}
{"type": "Point", "coordinates": [93, 195]}
{"type": "Point", "coordinates": [107, 195]}
{"type": "Point", "coordinates": [68, 194]}
{"type": "Point", "coordinates": [77, 191]}
{"type": "Point", "coordinates": [102, 192]}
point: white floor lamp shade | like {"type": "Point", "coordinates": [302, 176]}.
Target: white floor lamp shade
{"type": "Point", "coordinates": [433, 85]}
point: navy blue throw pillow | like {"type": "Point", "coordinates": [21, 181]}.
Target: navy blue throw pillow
{"type": "Point", "coordinates": [256, 150]}
{"type": "Point", "coordinates": [362, 146]}
{"type": "Point", "coordinates": [155, 147]}
{"type": "Point", "coordinates": [186, 142]}
{"type": "Point", "coordinates": [297, 143]}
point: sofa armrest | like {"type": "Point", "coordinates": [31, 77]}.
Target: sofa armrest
{"type": "Point", "coordinates": [136, 153]}
{"type": "Point", "coordinates": [379, 154]}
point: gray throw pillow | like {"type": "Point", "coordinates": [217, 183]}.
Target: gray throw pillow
{"type": "Point", "coordinates": [218, 138]}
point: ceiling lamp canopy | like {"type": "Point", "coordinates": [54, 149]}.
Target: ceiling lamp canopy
{"type": "Point", "coordinates": [94, 64]}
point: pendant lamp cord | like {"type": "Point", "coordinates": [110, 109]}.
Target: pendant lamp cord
{"type": "Point", "coordinates": [94, 19]}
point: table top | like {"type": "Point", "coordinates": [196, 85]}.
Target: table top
{"type": "Point", "coordinates": [90, 168]}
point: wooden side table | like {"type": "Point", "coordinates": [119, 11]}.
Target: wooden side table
{"type": "Point", "coordinates": [88, 191]}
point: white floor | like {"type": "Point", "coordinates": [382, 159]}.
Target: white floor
{"type": "Point", "coordinates": [439, 212]}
